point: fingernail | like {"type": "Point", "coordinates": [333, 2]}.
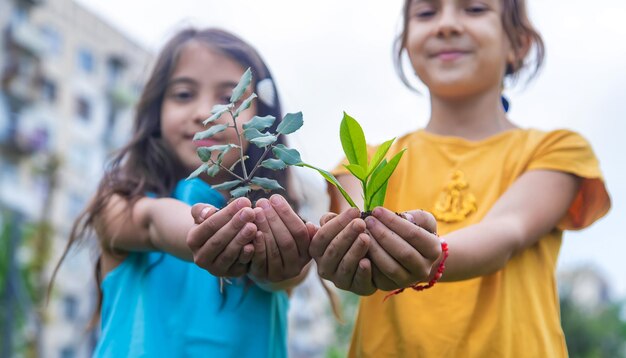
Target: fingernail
{"type": "Point", "coordinates": [241, 203]}
{"type": "Point", "coordinates": [262, 204]}
{"type": "Point", "coordinates": [369, 221]}
{"type": "Point", "coordinates": [260, 217]}
{"type": "Point", "coordinates": [243, 215]}
{"type": "Point", "coordinates": [377, 211]}
{"type": "Point", "coordinates": [205, 212]}
{"type": "Point", "coordinates": [277, 200]}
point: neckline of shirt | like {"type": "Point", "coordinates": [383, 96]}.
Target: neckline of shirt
{"type": "Point", "coordinates": [454, 140]}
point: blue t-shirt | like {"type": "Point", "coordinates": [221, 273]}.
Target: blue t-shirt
{"type": "Point", "coordinates": [156, 305]}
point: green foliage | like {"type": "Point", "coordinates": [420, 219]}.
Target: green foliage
{"type": "Point", "coordinates": [373, 175]}
{"type": "Point", "coordinates": [593, 333]}
{"type": "Point", "coordinates": [256, 132]}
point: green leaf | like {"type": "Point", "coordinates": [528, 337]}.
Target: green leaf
{"type": "Point", "coordinates": [245, 105]}
{"type": "Point", "coordinates": [288, 155]}
{"type": "Point", "coordinates": [213, 170]}
{"type": "Point", "coordinates": [331, 179]}
{"type": "Point", "coordinates": [290, 123]}
{"type": "Point", "coordinates": [198, 171]}
{"type": "Point", "coordinates": [264, 141]}
{"type": "Point", "coordinates": [353, 141]}
{"type": "Point", "coordinates": [357, 171]}
{"type": "Point", "coordinates": [239, 192]}
{"type": "Point", "coordinates": [227, 185]}
{"type": "Point", "coordinates": [368, 199]}
{"type": "Point", "coordinates": [381, 177]}
{"type": "Point", "coordinates": [210, 132]}
{"type": "Point", "coordinates": [244, 82]}
{"type": "Point", "coordinates": [265, 183]}
{"type": "Point", "coordinates": [252, 133]}
{"type": "Point", "coordinates": [216, 115]}
{"type": "Point", "coordinates": [260, 123]}
{"type": "Point", "coordinates": [274, 164]}
{"type": "Point", "coordinates": [379, 197]}
{"type": "Point", "coordinates": [205, 152]}
{"type": "Point", "coordinates": [379, 156]}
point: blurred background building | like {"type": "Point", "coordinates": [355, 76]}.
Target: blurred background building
{"type": "Point", "coordinates": [68, 83]}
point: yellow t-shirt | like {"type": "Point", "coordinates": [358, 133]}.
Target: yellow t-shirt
{"type": "Point", "coordinates": [511, 313]}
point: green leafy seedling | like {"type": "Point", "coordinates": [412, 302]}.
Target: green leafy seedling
{"type": "Point", "coordinates": [257, 132]}
{"type": "Point", "coordinates": [373, 174]}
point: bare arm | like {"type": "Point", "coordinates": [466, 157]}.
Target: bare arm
{"type": "Point", "coordinates": [167, 225]}
{"type": "Point", "coordinates": [529, 209]}
{"type": "Point", "coordinates": [149, 225]}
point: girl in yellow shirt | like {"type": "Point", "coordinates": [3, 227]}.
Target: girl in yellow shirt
{"type": "Point", "coordinates": [498, 194]}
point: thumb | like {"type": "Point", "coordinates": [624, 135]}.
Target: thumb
{"type": "Point", "coordinates": [201, 212]}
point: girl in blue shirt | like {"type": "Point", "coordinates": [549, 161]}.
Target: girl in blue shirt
{"type": "Point", "coordinates": [154, 300]}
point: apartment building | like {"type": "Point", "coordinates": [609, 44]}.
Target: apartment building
{"type": "Point", "coordinates": [68, 84]}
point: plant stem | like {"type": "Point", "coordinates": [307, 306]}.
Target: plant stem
{"type": "Point", "coordinates": [228, 170]}
{"type": "Point", "coordinates": [243, 164]}
{"type": "Point", "coordinates": [256, 166]}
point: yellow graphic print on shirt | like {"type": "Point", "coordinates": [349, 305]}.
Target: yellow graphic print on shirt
{"type": "Point", "coordinates": [455, 203]}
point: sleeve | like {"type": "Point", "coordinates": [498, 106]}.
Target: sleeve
{"type": "Point", "coordinates": [569, 152]}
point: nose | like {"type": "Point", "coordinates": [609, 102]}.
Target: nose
{"type": "Point", "coordinates": [449, 23]}
{"type": "Point", "coordinates": [203, 110]}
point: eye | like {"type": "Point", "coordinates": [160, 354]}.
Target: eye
{"type": "Point", "coordinates": [425, 14]}
{"type": "Point", "coordinates": [476, 9]}
{"type": "Point", "coordinates": [181, 95]}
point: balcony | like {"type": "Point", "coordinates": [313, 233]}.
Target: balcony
{"type": "Point", "coordinates": [28, 37]}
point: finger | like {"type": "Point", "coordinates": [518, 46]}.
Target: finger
{"type": "Point", "coordinates": [397, 248]}
{"type": "Point", "coordinates": [312, 229]}
{"type": "Point", "coordinates": [327, 217]}
{"type": "Point", "coordinates": [384, 262]}
{"type": "Point", "coordinates": [231, 236]}
{"type": "Point", "coordinates": [201, 212]}
{"type": "Point", "coordinates": [338, 247]}
{"type": "Point", "coordinates": [246, 254]}
{"type": "Point", "coordinates": [259, 261]}
{"type": "Point", "coordinates": [215, 222]}
{"type": "Point", "coordinates": [381, 281]}
{"type": "Point", "coordinates": [363, 283]}
{"type": "Point", "coordinates": [297, 228]}
{"type": "Point", "coordinates": [275, 264]}
{"type": "Point", "coordinates": [350, 262]}
{"type": "Point", "coordinates": [223, 260]}
{"type": "Point", "coordinates": [419, 237]}
{"type": "Point", "coordinates": [282, 238]}
{"type": "Point", "coordinates": [330, 229]}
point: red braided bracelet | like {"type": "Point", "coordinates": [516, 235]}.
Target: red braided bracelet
{"type": "Point", "coordinates": [433, 281]}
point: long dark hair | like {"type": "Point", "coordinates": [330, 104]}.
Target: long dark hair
{"type": "Point", "coordinates": [147, 163]}
{"type": "Point", "coordinates": [516, 25]}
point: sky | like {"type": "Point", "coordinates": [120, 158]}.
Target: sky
{"type": "Point", "coordinates": [331, 56]}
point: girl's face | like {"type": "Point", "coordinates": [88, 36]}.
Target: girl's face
{"type": "Point", "coordinates": [201, 79]}
{"type": "Point", "coordinates": [458, 48]}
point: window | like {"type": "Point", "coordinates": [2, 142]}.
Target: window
{"type": "Point", "coordinates": [83, 109]}
{"type": "Point", "coordinates": [48, 91]}
{"type": "Point", "coordinates": [53, 41]}
{"type": "Point", "coordinates": [115, 66]}
{"type": "Point", "coordinates": [70, 308]}
{"type": "Point", "coordinates": [67, 352]}
{"type": "Point", "coordinates": [86, 60]}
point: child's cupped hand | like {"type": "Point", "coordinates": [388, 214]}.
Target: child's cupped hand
{"type": "Point", "coordinates": [385, 251]}
{"type": "Point", "coordinates": [221, 242]}
{"type": "Point", "coordinates": [281, 245]}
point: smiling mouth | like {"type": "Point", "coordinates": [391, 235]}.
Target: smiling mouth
{"type": "Point", "coordinates": [449, 55]}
